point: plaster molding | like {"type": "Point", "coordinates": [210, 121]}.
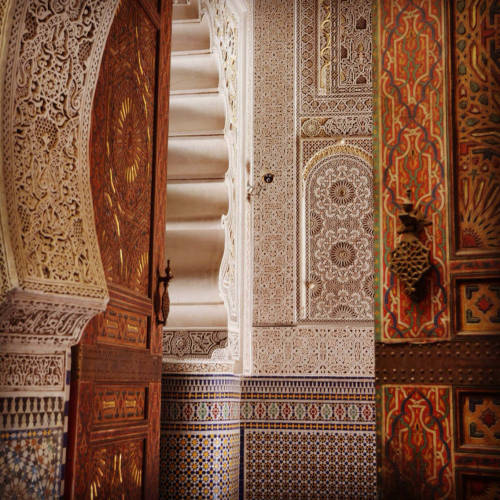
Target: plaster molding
{"type": "Point", "coordinates": [49, 73]}
{"type": "Point", "coordinates": [30, 320]}
{"type": "Point", "coordinates": [188, 344]}
{"type": "Point", "coordinates": [32, 372]}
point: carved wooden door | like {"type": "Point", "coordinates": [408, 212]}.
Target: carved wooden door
{"type": "Point", "coordinates": [438, 352]}
{"type": "Point", "coordinates": [114, 423]}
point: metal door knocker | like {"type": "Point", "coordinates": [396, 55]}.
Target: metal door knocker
{"type": "Point", "coordinates": [410, 260]}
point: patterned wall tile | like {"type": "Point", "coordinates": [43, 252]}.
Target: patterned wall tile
{"type": "Point", "coordinates": [295, 423]}
{"type": "Point", "coordinates": [288, 464]}
{"type": "Point", "coordinates": [30, 463]}
{"type": "Point", "coordinates": [200, 437]}
{"type": "Point", "coordinates": [308, 437]}
{"type": "Point", "coordinates": [325, 403]}
{"type": "Point", "coordinates": [200, 465]}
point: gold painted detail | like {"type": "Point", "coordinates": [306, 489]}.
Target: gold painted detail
{"type": "Point", "coordinates": [118, 404]}
{"type": "Point", "coordinates": [118, 471]}
{"type": "Point", "coordinates": [123, 328]}
{"type": "Point", "coordinates": [336, 149]}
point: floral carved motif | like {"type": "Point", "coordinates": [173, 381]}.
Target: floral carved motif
{"type": "Point", "coordinates": [199, 344]}
{"type": "Point", "coordinates": [338, 234]}
{"type": "Point", "coordinates": [53, 57]}
{"type": "Point", "coordinates": [30, 371]}
{"type": "Point", "coordinates": [274, 209]}
{"type": "Point", "coordinates": [336, 351]}
{"type": "Point", "coordinates": [44, 319]}
{"type": "Point", "coordinates": [334, 58]}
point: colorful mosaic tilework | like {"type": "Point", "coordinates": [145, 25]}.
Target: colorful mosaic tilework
{"type": "Point", "coordinates": [200, 465]}
{"type": "Point", "coordinates": [289, 464]}
{"type": "Point", "coordinates": [311, 437]}
{"type": "Point", "coordinates": [200, 437]}
{"type": "Point", "coordinates": [32, 450]}
{"type": "Point", "coordinates": [30, 463]}
{"type": "Point", "coordinates": [327, 404]}
{"type": "Point", "coordinates": [194, 402]}
{"type": "Point", "coordinates": [308, 438]}
{"type": "Point", "coordinates": [203, 387]}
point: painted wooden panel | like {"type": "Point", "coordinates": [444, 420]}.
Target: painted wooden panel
{"type": "Point", "coordinates": [476, 121]}
{"type": "Point", "coordinates": [437, 88]}
{"type": "Point", "coordinates": [115, 404]}
{"type": "Point", "coordinates": [478, 424]}
{"type": "Point", "coordinates": [122, 148]}
{"type": "Point", "coordinates": [411, 153]}
{"type": "Point", "coordinates": [478, 305]}
{"type": "Point", "coordinates": [116, 470]}
{"type": "Point", "coordinates": [479, 485]}
{"type": "Point", "coordinates": [417, 435]}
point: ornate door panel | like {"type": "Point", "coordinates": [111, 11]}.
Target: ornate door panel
{"type": "Point", "coordinates": [116, 369]}
{"type": "Point", "coordinates": [438, 335]}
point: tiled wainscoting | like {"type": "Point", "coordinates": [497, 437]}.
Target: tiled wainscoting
{"type": "Point", "coordinates": [267, 438]}
{"type": "Point", "coordinates": [32, 436]}
{"type": "Point", "coordinates": [200, 437]}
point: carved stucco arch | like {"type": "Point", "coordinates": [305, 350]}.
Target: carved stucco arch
{"type": "Point", "coordinates": [333, 224]}
{"type": "Point", "coordinates": [51, 276]}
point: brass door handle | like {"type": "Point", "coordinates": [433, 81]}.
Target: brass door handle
{"type": "Point", "coordinates": [165, 299]}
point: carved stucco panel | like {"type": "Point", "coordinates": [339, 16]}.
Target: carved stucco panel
{"type": "Point", "coordinates": [224, 29]}
{"type": "Point", "coordinates": [53, 59]}
{"type": "Point", "coordinates": [50, 62]}
{"type": "Point", "coordinates": [192, 344]}
{"type": "Point", "coordinates": [335, 351]}
{"type": "Point", "coordinates": [21, 371]}
{"type": "Point", "coordinates": [273, 206]}
{"type": "Point", "coordinates": [8, 276]}
{"type": "Point", "coordinates": [41, 319]}
{"type": "Point", "coordinates": [337, 229]}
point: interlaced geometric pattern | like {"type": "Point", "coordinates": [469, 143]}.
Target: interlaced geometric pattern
{"type": "Point", "coordinates": [410, 260]}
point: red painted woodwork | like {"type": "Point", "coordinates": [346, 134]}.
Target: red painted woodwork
{"type": "Point", "coordinates": [114, 424]}
{"type": "Point", "coordinates": [438, 396]}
